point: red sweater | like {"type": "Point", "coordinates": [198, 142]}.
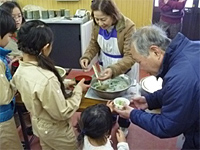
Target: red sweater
{"type": "Point", "coordinates": [172, 11]}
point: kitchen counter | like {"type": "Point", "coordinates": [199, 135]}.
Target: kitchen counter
{"type": "Point", "coordinates": [62, 20]}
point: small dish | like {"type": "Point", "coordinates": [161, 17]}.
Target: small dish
{"type": "Point", "coordinates": [80, 77]}
{"type": "Point", "coordinates": [61, 71]}
{"type": "Point", "coordinates": [120, 102]}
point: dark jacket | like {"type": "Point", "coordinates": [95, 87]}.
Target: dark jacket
{"type": "Point", "coordinates": [179, 99]}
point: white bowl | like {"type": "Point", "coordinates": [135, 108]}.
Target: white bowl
{"type": "Point", "coordinates": [120, 102]}
{"type": "Point", "coordinates": [61, 71]}
{"type": "Point", "coordinates": [150, 84]}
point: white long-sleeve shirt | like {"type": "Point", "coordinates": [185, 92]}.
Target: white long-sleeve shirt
{"type": "Point", "coordinates": [88, 146]}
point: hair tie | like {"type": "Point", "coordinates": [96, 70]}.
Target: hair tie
{"type": "Point", "coordinates": [40, 53]}
{"type": "Point", "coordinates": [83, 132]}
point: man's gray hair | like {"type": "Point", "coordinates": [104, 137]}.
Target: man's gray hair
{"type": "Point", "coordinates": [147, 36]}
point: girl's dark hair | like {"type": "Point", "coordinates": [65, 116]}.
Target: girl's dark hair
{"type": "Point", "coordinates": [9, 6]}
{"type": "Point", "coordinates": [106, 6]}
{"type": "Point", "coordinates": [7, 23]}
{"type": "Point", "coordinates": [32, 37]}
{"type": "Point", "coordinates": [95, 122]}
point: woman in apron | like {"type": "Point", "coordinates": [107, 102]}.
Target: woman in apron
{"type": "Point", "coordinates": [111, 42]}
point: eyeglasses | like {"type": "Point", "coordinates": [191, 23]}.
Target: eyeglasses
{"type": "Point", "coordinates": [17, 16]}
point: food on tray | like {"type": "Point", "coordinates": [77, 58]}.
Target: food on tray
{"type": "Point", "coordinates": [112, 85]}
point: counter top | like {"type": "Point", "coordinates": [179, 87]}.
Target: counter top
{"type": "Point", "coordinates": [62, 20]}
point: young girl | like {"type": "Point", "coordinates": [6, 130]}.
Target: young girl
{"type": "Point", "coordinates": [43, 91]}
{"type": "Point", "coordinates": [95, 127]}
{"type": "Point", "coordinates": [14, 9]}
{"type": "Point", "coordinates": [9, 138]}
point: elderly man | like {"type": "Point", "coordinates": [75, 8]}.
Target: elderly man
{"type": "Point", "coordinates": [177, 62]}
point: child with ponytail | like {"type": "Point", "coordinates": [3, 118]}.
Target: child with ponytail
{"type": "Point", "coordinates": [42, 89]}
{"type": "Point", "coordinates": [95, 127]}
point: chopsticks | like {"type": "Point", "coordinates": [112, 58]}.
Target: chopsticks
{"type": "Point", "coordinates": [96, 73]}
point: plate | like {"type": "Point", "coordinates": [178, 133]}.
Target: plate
{"type": "Point", "coordinates": [151, 84]}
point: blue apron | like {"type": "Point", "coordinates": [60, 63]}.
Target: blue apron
{"type": "Point", "coordinates": [6, 111]}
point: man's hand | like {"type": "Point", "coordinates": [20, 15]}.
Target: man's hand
{"type": "Point", "coordinates": [139, 102]}
{"type": "Point", "coordinates": [125, 113]}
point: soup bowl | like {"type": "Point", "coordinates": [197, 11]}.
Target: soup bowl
{"type": "Point", "coordinates": [87, 78]}
{"type": "Point", "coordinates": [106, 93]}
{"type": "Point", "coordinates": [120, 102]}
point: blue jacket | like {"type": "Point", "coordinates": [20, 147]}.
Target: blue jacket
{"type": "Point", "coordinates": [179, 99]}
{"type": "Point", "coordinates": [6, 111]}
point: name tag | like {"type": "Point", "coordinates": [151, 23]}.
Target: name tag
{"type": "Point", "coordinates": [175, 10]}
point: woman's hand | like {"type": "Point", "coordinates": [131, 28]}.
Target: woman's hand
{"type": "Point", "coordinates": [84, 64]}
{"type": "Point", "coordinates": [120, 136]}
{"type": "Point", "coordinates": [106, 74]}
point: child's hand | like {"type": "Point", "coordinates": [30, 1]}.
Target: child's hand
{"type": "Point", "coordinates": [110, 105]}
{"type": "Point", "coordinates": [14, 59]}
{"type": "Point", "coordinates": [83, 85]}
{"type": "Point", "coordinates": [69, 83]}
{"type": "Point", "coordinates": [120, 136]}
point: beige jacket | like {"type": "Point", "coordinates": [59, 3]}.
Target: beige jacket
{"type": "Point", "coordinates": [12, 45]}
{"type": "Point", "coordinates": [125, 28]}
{"type": "Point", "coordinates": [50, 111]}
{"type": "Point", "coordinates": [6, 92]}
{"type": "Point", "coordinates": [9, 134]}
